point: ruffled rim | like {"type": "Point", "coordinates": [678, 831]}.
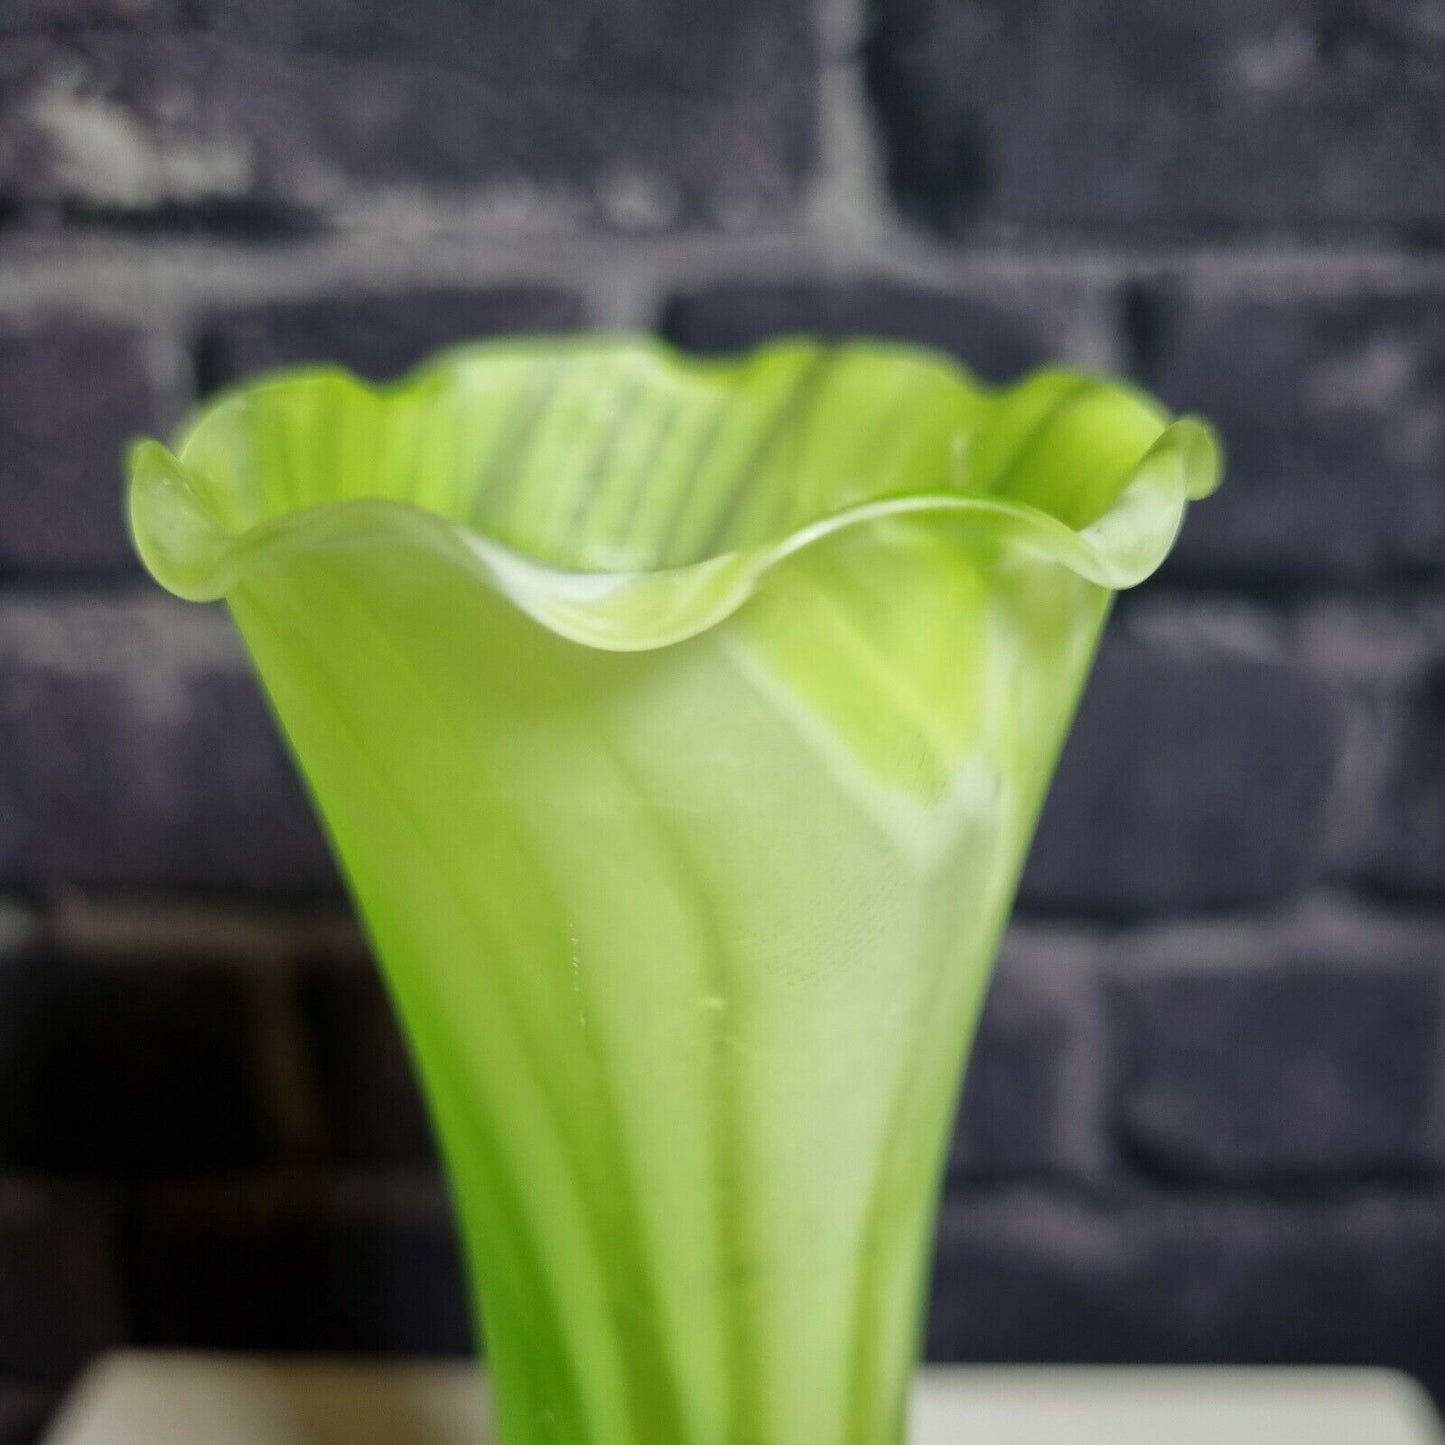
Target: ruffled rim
{"type": "Point", "coordinates": [188, 548]}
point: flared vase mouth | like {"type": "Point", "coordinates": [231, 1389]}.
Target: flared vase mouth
{"type": "Point", "coordinates": [628, 496]}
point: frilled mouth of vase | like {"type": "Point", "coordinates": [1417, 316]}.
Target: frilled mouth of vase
{"type": "Point", "coordinates": [628, 495]}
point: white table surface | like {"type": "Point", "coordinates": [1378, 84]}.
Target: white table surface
{"type": "Point", "coordinates": [147, 1398]}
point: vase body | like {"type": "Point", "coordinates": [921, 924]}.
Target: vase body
{"type": "Point", "coordinates": [689, 940]}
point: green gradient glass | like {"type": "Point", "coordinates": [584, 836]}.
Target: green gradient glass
{"type": "Point", "coordinates": [680, 727]}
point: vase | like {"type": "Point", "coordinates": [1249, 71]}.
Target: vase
{"type": "Point", "coordinates": [679, 727]}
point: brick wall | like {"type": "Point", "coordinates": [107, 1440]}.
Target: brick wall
{"type": "Point", "coordinates": [1207, 1115]}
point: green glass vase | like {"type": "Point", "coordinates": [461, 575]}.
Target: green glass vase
{"type": "Point", "coordinates": [680, 727]}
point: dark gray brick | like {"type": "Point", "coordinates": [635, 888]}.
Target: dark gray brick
{"type": "Point", "coordinates": [72, 393]}
{"type": "Point", "coordinates": [126, 1068]}
{"type": "Point", "coordinates": [1023, 1277]}
{"type": "Point", "coordinates": [1013, 1118]}
{"type": "Point", "coordinates": [149, 772]}
{"type": "Point", "coordinates": [1193, 782]}
{"type": "Point", "coordinates": [304, 1267]}
{"type": "Point", "coordinates": [369, 1090]}
{"type": "Point", "coordinates": [1405, 852]}
{"type": "Point", "coordinates": [23, 15]}
{"type": "Point", "coordinates": [375, 335]}
{"type": "Point", "coordinates": [24, 1410]}
{"type": "Point", "coordinates": [58, 1300]}
{"type": "Point", "coordinates": [637, 114]}
{"type": "Point", "coordinates": [615, 45]}
{"type": "Point", "coordinates": [998, 333]}
{"type": "Point", "coordinates": [240, 814]}
{"type": "Point", "coordinates": [1333, 418]}
{"type": "Point", "coordinates": [1281, 1074]}
{"type": "Point", "coordinates": [1170, 116]}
